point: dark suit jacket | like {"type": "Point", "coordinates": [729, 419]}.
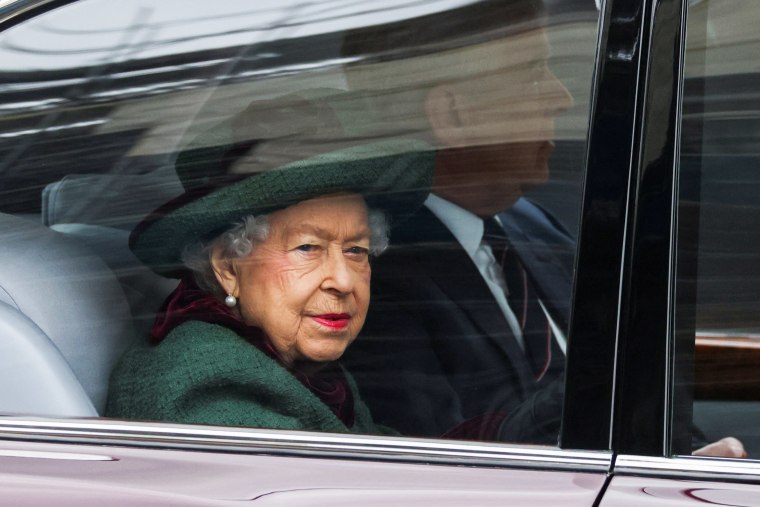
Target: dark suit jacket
{"type": "Point", "coordinates": [436, 349]}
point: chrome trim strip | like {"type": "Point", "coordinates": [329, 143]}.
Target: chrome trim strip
{"type": "Point", "coordinates": [66, 456]}
{"type": "Point", "coordinates": [9, 9]}
{"type": "Point", "coordinates": [171, 436]}
{"type": "Point", "coordinates": [689, 468]}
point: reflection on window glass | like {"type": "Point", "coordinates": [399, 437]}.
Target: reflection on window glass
{"type": "Point", "coordinates": [720, 185]}
{"type": "Point", "coordinates": [325, 216]}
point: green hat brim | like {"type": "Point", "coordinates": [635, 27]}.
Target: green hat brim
{"type": "Point", "coordinates": [393, 175]}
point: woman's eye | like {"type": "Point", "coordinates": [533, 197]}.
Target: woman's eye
{"type": "Point", "coordinates": [306, 248]}
{"type": "Point", "coordinates": [358, 251]}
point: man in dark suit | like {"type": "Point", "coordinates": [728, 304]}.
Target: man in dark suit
{"type": "Point", "coordinates": [444, 350]}
{"type": "Point", "coordinates": [437, 355]}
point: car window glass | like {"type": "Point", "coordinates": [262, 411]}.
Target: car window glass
{"type": "Point", "coordinates": [717, 256]}
{"type": "Point", "coordinates": [130, 145]}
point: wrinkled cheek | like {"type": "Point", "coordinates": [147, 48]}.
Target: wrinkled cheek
{"type": "Point", "coordinates": [363, 299]}
{"type": "Point", "coordinates": [285, 334]}
{"type": "Point", "coordinates": [363, 279]}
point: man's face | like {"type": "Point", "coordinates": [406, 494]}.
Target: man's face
{"type": "Point", "coordinates": [501, 127]}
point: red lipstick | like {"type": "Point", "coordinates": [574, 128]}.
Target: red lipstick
{"type": "Point", "coordinates": [337, 321]}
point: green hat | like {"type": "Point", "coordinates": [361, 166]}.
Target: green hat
{"type": "Point", "coordinates": [275, 154]}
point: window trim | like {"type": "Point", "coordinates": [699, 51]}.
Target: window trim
{"type": "Point", "coordinates": [628, 219]}
{"type": "Point", "coordinates": [643, 401]}
{"type": "Point", "coordinates": [303, 444]}
{"type": "Point", "coordinates": [598, 295]}
{"type": "Point", "coordinates": [20, 10]}
{"type": "Point", "coordinates": [688, 468]}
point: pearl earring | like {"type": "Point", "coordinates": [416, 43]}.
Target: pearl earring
{"type": "Point", "coordinates": [230, 301]}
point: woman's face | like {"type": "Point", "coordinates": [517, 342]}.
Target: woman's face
{"type": "Point", "coordinates": [307, 285]}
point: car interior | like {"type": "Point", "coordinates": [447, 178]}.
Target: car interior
{"type": "Point", "coordinates": [73, 297]}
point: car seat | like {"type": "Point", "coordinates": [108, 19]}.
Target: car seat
{"type": "Point", "coordinates": [100, 210]}
{"type": "Point", "coordinates": [64, 322]}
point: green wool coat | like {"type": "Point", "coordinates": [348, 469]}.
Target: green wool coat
{"type": "Point", "coordinates": [207, 374]}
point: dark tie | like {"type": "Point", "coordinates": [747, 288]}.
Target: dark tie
{"type": "Point", "coordinates": [523, 299]}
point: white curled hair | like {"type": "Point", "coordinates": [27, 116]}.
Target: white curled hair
{"type": "Point", "coordinates": [239, 241]}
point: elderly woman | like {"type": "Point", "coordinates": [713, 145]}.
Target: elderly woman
{"type": "Point", "coordinates": [280, 260]}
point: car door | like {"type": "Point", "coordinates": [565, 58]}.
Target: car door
{"type": "Point", "coordinates": [96, 101]}
{"type": "Point", "coordinates": [687, 359]}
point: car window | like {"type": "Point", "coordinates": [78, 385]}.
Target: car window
{"type": "Point", "coordinates": [130, 147]}
{"type": "Point", "coordinates": [717, 251]}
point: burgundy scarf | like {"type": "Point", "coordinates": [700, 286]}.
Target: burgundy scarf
{"type": "Point", "coordinates": [189, 302]}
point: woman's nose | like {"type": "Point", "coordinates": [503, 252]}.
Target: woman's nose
{"type": "Point", "coordinates": [338, 277]}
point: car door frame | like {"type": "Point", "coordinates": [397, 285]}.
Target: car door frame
{"type": "Point", "coordinates": [650, 430]}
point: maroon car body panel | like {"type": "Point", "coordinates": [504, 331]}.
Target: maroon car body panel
{"type": "Point", "coordinates": [647, 491]}
{"type": "Point", "coordinates": [81, 475]}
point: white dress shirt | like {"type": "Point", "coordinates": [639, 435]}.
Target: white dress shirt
{"type": "Point", "coordinates": [468, 229]}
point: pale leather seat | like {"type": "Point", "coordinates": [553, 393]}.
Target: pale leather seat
{"type": "Point", "coordinates": [100, 210]}
{"type": "Point", "coordinates": [64, 322]}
